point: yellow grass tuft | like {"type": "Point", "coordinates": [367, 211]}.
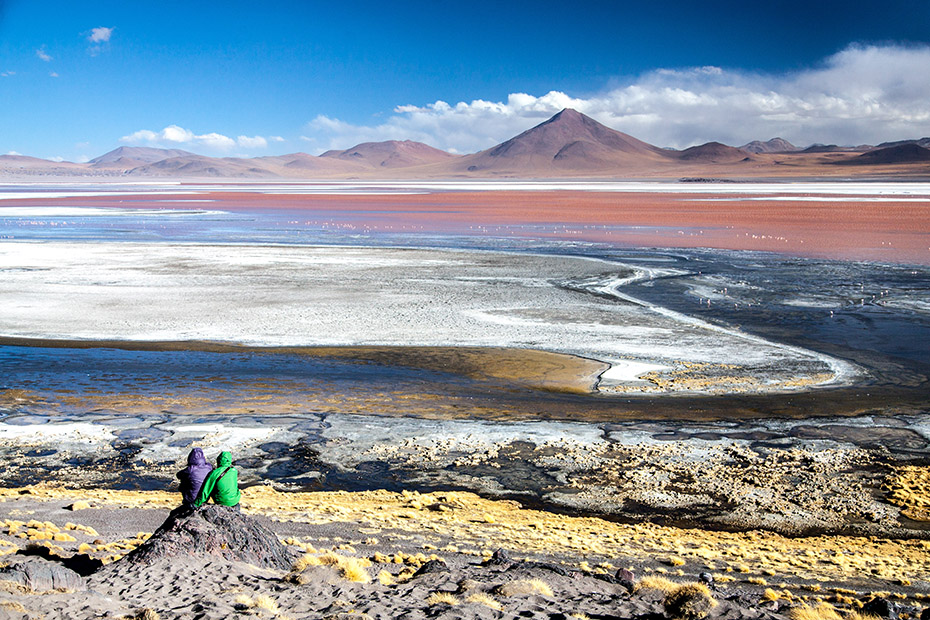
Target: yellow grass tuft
{"type": "Point", "coordinates": [524, 587]}
{"type": "Point", "coordinates": [770, 595]}
{"type": "Point", "coordinates": [823, 611]}
{"type": "Point", "coordinates": [79, 505]}
{"type": "Point", "coordinates": [676, 561]}
{"type": "Point", "coordinates": [689, 601]}
{"type": "Point", "coordinates": [759, 581]}
{"type": "Point", "coordinates": [267, 603]}
{"type": "Point", "coordinates": [855, 615]}
{"type": "Point", "coordinates": [13, 606]}
{"type": "Point", "coordinates": [580, 616]}
{"type": "Point", "coordinates": [304, 562]}
{"type": "Point", "coordinates": [63, 537]}
{"type": "Point", "coordinates": [385, 578]}
{"type": "Point", "coordinates": [244, 600]}
{"type": "Point", "coordinates": [147, 614]}
{"type": "Point", "coordinates": [442, 598]}
{"type": "Point", "coordinates": [653, 582]}
{"type": "Point", "coordinates": [485, 599]}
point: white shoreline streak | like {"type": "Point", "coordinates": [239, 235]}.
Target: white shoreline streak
{"type": "Point", "coordinates": [843, 371]}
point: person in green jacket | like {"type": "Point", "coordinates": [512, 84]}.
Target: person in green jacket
{"type": "Point", "coordinates": [222, 484]}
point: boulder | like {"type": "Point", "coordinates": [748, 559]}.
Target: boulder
{"type": "Point", "coordinates": [41, 575]}
{"type": "Point", "coordinates": [214, 530]}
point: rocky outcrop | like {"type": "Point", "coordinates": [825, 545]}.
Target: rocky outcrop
{"type": "Point", "coordinates": [218, 531]}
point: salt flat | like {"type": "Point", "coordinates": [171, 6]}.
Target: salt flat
{"type": "Point", "coordinates": [350, 296]}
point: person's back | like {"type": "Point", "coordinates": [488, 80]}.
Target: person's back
{"type": "Point", "coordinates": [221, 485]}
{"type": "Point", "coordinates": [193, 476]}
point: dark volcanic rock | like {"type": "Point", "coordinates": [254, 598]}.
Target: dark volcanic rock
{"type": "Point", "coordinates": [882, 607]}
{"type": "Point", "coordinates": [215, 530]}
{"type": "Point", "coordinates": [40, 575]}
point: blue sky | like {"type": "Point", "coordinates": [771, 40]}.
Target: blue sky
{"type": "Point", "coordinates": [234, 78]}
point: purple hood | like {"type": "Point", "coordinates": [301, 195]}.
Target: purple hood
{"type": "Point", "coordinates": [193, 475]}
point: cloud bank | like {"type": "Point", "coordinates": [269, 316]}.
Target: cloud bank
{"type": "Point", "coordinates": [863, 94]}
{"type": "Point", "coordinates": [100, 35]}
{"type": "Point", "coordinates": [174, 136]}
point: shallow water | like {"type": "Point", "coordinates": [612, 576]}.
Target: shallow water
{"type": "Point", "coordinates": [876, 315]}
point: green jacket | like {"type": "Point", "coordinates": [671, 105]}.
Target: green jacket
{"type": "Point", "coordinates": [222, 484]}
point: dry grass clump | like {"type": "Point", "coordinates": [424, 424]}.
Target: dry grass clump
{"type": "Point", "coordinates": [352, 569]}
{"type": "Point", "coordinates": [689, 601]}
{"type": "Point", "coordinates": [267, 603]}
{"type": "Point", "coordinates": [909, 488]}
{"type": "Point", "coordinates": [856, 615]}
{"type": "Point", "coordinates": [823, 611]}
{"type": "Point", "coordinates": [524, 587]}
{"type": "Point", "coordinates": [676, 561]}
{"type": "Point", "coordinates": [13, 606]}
{"type": "Point", "coordinates": [653, 582]}
{"type": "Point", "coordinates": [442, 598]}
{"type": "Point", "coordinates": [79, 505]}
{"type": "Point", "coordinates": [147, 614]}
{"type": "Point", "coordinates": [385, 578]}
{"type": "Point", "coordinates": [485, 599]}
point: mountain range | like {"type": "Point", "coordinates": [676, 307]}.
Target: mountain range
{"type": "Point", "coordinates": [568, 145]}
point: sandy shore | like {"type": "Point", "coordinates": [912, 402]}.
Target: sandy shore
{"type": "Point", "coordinates": [386, 537]}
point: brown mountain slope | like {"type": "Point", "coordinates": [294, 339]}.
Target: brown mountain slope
{"type": "Point", "coordinates": [901, 154]}
{"type": "Point", "coordinates": [713, 152]}
{"type": "Point", "coordinates": [391, 154]}
{"type": "Point", "coordinates": [569, 141]}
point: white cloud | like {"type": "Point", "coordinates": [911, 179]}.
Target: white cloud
{"type": "Point", "coordinates": [276, 139]}
{"type": "Point", "coordinates": [256, 142]}
{"type": "Point", "coordinates": [14, 153]}
{"type": "Point", "coordinates": [863, 94]}
{"type": "Point", "coordinates": [53, 74]}
{"type": "Point", "coordinates": [8, 74]}
{"type": "Point", "coordinates": [173, 136]}
{"type": "Point", "coordinates": [100, 35]}
{"type": "Point", "coordinates": [43, 55]}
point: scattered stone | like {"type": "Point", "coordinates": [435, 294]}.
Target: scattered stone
{"type": "Point", "coordinates": [706, 578]}
{"type": "Point", "coordinates": [881, 607]}
{"type": "Point", "coordinates": [40, 575]}
{"type": "Point", "coordinates": [499, 558]}
{"type": "Point", "coordinates": [433, 566]}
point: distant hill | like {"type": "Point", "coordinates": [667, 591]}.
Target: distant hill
{"type": "Point", "coordinates": [910, 152]}
{"type": "Point", "coordinates": [924, 142]}
{"type": "Point", "coordinates": [569, 141]}
{"type": "Point", "coordinates": [133, 156]}
{"type": "Point", "coordinates": [567, 145]}
{"type": "Point", "coordinates": [391, 154]}
{"type": "Point", "coordinates": [775, 145]}
{"type": "Point", "coordinates": [713, 152]}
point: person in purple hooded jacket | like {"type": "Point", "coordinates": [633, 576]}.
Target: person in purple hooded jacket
{"type": "Point", "coordinates": [193, 475]}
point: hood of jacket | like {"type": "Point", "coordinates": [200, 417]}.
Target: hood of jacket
{"type": "Point", "coordinates": [196, 457]}
{"type": "Point", "coordinates": [224, 460]}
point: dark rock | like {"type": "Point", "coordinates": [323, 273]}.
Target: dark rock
{"type": "Point", "coordinates": [215, 530]}
{"type": "Point", "coordinates": [925, 614]}
{"type": "Point", "coordinates": [41, 575]}
{"type": "Point", "coordinates": [626, 578]}
{"type": "Point", "coordinates": [706, 578]}
{"type": "Point", "coordinates": [433, 566]}
{"type": "Point", "coordinates": [499, 558]}
{"type": "Point", "coordinates": [881, 607]}
{"type": "Point", "coordinates": [553, 568]}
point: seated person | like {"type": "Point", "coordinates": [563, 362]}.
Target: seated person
{"type": "Point", "coordinates": [221, 485]}
{"type": "Point", "coordinates": [193, 475]}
